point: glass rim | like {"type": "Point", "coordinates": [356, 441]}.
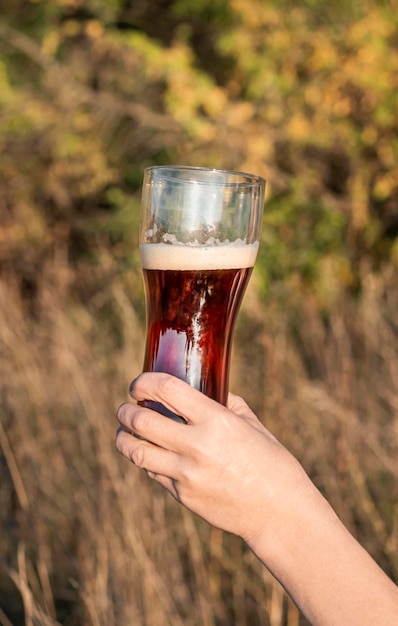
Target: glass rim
{"type": "Point", "coordinates": [252, 180]}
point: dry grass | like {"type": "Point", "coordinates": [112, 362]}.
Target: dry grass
{"type": "Point", "coordinates": [89, 541]}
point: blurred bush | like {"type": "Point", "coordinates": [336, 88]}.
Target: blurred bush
{"type": "Point", "coordinates": [91, 92]}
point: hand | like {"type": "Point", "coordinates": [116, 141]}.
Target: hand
{"type": "Point", "coordinates": [223, 464]}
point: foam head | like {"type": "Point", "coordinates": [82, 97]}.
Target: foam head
{"type": "Point", "coordinates": [167, 256]}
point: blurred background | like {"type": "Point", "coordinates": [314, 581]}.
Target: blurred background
{"type": "Point", "coordinates": [91, 92]}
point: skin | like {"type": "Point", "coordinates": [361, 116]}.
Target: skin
{"type": "Point", "coordinates": [224, 465]}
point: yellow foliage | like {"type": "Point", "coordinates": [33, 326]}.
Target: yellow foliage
{"type": "Point", "coordinates": [51, 42]}
{"type": "Point", "coordinates": [369, 135]}
{"type": "Point", "coordinates": [6, 92]}
{"type": "Point", "coordinates": [324, 53]}
{"type": "Point", "coordinates": [342, 106]}
{"type": "Point", "coordinates": [394, 252]}
{"type": "Point", "coordinates": [214, 100]}
{"type": "Point", "coordinates": [359, 201]}
{"type": "Point", "coordinates": [313, 95]}
{"type": "Point", "coordinates": [385, 184]}
{"type": "Point", "coordinates": [94, 29]}
{"type": "Point", "coordinates": [373, 23]}
{"type": "Point", "coordinates": [260, 146]}
{"type": "Point", "coordinates": [386, 152]}
{"type": "Point", "coordinates": [71, 28]}
{"type": "Point", "coordinates": [91, 92]}
{"type": "Point", "coordinates": [298, 127]}
{"type": "Point", "coordinates": [238, 114]}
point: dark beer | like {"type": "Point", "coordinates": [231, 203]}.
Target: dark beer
{"type": "Point", "coordinates": [191, 314]}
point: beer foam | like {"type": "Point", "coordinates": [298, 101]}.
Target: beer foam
{"type": "Point", "coordinates": [225, 256]}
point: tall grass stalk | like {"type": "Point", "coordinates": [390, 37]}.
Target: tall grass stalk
{"type": "Point", "coordinates": [88, 540]}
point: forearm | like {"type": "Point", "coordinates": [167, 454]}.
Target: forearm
{"type": "Point", "coordinates": [331, 578]}
{"type": "Point", "coordinates": [226, 467]}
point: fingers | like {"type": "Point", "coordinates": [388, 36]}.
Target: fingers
{"type": "Point", "coordinates": [161, 464]}
{"type": "Point", "coordinates": [167, 483]}
{"type": "Point", "coordinates": [175, 394]}
{"type": "Point", "coordinates": [151, 426]}
{"type": "Point", "coordinates": [237, 405]}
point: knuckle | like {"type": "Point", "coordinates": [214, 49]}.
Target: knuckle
{"type": "Point", "coordinates": [168, 387]}
{"type": "Point", "coordinates": [186, 475]}
{"type": "Point", "coordinates": [190, 473]}
{"type": "Point", "coordinates": [140, 420]}
{"type": "Point", "coordinates": [122, 410]}
{"type": "Point", "coordinates": [139, 455]}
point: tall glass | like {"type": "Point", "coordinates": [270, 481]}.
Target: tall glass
{"type": "Point", "coordinates": [199, 236]}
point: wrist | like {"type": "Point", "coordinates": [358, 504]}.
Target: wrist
{"type": "Point", "coordinates": [276, 543]}
{"type": "Point", "coordinates": [330, 577]}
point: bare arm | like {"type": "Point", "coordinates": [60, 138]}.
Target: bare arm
{"type": "Point", "coordinates": [226, 467]}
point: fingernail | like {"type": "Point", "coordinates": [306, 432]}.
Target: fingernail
{"type": "Point", "coordinates": [120, 410]}
{"type": "Point", "coordinates": [131, 387]}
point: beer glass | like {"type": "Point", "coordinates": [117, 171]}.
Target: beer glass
{"type": "Point", "coordinates": [199, 236]}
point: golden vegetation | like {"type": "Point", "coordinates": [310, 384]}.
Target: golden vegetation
{"type": "Point", "coordinates": [90, 93]}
